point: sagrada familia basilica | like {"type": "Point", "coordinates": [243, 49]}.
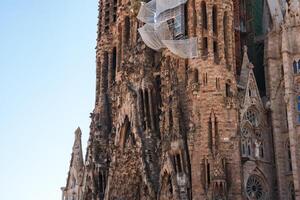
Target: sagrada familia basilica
{"type": "Point", "coordinates": [195, 100]}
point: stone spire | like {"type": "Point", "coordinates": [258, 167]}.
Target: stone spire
{"type": "Point", "coordinates": [77, 157]}
{"type": "Point", "coordinates": [246, 66]}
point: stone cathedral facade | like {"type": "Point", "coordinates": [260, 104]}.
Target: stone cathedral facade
{"type": "Point", "coordinates": [168, 128]}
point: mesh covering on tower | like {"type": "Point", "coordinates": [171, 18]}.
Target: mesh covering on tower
{"type": "Point", "coordinates": [165, 27]}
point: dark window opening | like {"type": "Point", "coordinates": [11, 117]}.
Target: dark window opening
{"type": "Point", "coordinates": [216, 52]}
{"type": "Point", "coordinates": [127, 30]}
{"type": "Point", "coordinates": [102, 184]}
{"type": "Point", "coordinates": [142, 109]}
{"type": "Point", "coordinates": [205, 46]}
{"type": "Point", "coordinates": [105, 71]}
{"type": "Point", "coordinates": [226, 39]}
{"type": "Point", "coordinates": [289, 154]}
{"type": "Point", "coordinates": [262, 151]}
{"type": "Point", "coordinates": [177, 161]}
{"type": "Point", "coordinates": [295, 66]}
{"type": "Point", "coordinates": [215, 19]}
{"type": "Point", "coordinates": [106, 17]}
{"type": "Point", "coordinates": [249, 149]}
{"type": "Point", "coordinates": [114, 64]}
{"type": "Point", "coordinates": [228, 90]}
{"type": "Point", "coordinates": [170, 113]}
{"type": "Point", "coordinates": [196, 76]}
{"type": "Point", "coordinates": [210, 133]}
{"type": "Point", "coordinates": [115, 10]}
{"type": "Point", "coordinates": [170, 185]}
{"type": "Point", "coordinates": [208, 173]}
{"type": "Point", "coordinates": [204, 15]}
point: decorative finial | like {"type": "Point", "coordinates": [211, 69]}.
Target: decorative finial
{"type": "Point", "coordinates": [251, 66]}
{"type": "Point", "coordinates": [245, 49]}
{"type": "Point", "coordinates": [78, 132]}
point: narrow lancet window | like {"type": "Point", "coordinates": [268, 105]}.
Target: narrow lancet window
{"type": "Point", "coordinates": [226, 38]}
{"type": "Point", "coordinates": [114, 64]}
{"type": "Point", "coordinates": [204, 15]}
{"type": "Point", "coordinates": [215, 19]}
{"type": "Point", "coordinates": [127, 30]}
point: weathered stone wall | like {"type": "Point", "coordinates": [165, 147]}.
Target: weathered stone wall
{"type": "Point", "coordinates": [164, 127]}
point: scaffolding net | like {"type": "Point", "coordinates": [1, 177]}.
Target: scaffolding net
{"type": "Point", "coordinates": [165, 27]}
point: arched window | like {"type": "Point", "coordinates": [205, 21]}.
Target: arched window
{"type": "Point", "coordinates": [295, 67]}
{"type": "Point", "coordinates": [216, 52]}
{"type": "Point", "coordinates": [298, 109]}
{"type": "Point", "coordinates": [114, 64]}
{"type": "Point", "coordinates": [127, 30]}
{"type": "Point", "coordinates": [226, 39]}
{"type": "Point", "coordinates": [228, 90]}
{"type": "Point", "coordinates": [249, 147]}
{"type": "Point", "coordinates": [204, 15]}
{"type": "Point", "coordinates": [243, 147]}
{"type": "Point", "coordinates": [106, 16]}
{"type": "Point", "coordinates": [292, 195]}
{"type": "Point", "coordinates": [196, 76]}
{"type": "Point", "coordinates": [115, 10]}
{"type": "Point", "coordinates": [289, 157]}
{"type": "Point", "coordinates": [261, 150]}
{"type": "Point", "coordinates": [177, 163]}
{"type": "Point", "coordinates": [204, 46]}
{"type": "Point", "coordinates": [251, 116]}
{"type": "Point", "coordinates": [142, 107]}
{"type": "Point", "coordinates": [215, 19]}
{"type": "Point", "coordinates": [126, 135]}
{"type": "Point", "coordinates": [105, 71]}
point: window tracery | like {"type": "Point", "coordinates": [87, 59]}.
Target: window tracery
{"type": "Point", "coordinates": [252, 141]}
{"type": "Point", "coordinates": [255, 188]}
{"type": "Point", "coordinates": [252, 117]}
{"type": "Point", "coordinates": [246, 131]}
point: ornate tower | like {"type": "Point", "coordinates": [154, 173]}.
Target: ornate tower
{"type": "Point", "coordinates": [282, 76]}
{"type": "Point", "coordinates": [257, 150]}
{"type": "Point", "coordinates": [213, 113]}
{"type": "Point", "coordinates": [73, 189]}
{"type": "Point", "coordinates": [163, 126]}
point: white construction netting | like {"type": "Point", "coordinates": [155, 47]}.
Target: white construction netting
{"type": "Point", "coordinates": [164, 25]}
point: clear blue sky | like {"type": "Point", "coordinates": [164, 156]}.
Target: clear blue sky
{"type": "Point", "coordinates": [47, 89]}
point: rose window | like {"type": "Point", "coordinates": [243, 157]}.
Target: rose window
{"type": "Point", "coordinates": [255, 189]}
